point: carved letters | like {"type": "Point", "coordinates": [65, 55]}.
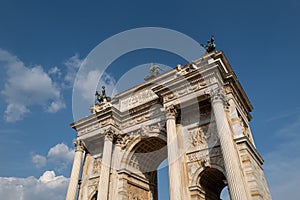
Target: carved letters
{"type": "Point", "coordinates": [137, 99]}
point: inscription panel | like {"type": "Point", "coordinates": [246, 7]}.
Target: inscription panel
{"type": "Point", "coordinates": [137, 99]}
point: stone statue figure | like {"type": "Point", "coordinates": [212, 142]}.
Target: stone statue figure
{"type": "Point", "coordinates": [154, 71]}
{"type": "Point", "coordinates": [101, 97]}
{"type": "Point", "coordinates": [211, 46]}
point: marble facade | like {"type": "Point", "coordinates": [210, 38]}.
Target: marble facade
{"type": "Point", "coordinates": [195, 115]}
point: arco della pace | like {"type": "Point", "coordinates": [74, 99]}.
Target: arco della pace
{"type": "Point", "coordinates": [197, 116]}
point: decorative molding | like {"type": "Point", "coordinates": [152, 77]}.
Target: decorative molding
{"type": "Point", "coordinates": [203, 154]}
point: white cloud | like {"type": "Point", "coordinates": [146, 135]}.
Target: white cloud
{"type": "Point", "coordinates": [88, 79]}
{"type": "Point", "coordinates": [27, 86]}
{"type": "Point", "coordinates": [15, 112]}
{"type": "Point", "coordinates": [38, 160]}
{"type": "Point", "coordinates": [48, 186]}
{"type": "Point", "coordinates": [55, 106]}
{"type": "Point", "coordinates": [54, 71]}
{"type": "Point", "coordinates": [72, 64]}
{"type": "Point", "coordinates": [282, 165]}
{"type": "Point", "coordinates": [61, 156]}
{"type": "Point", "coordinates": [61, 152]}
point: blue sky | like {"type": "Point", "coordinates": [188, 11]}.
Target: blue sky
{"type": "Point", "coordinates": [43, 42]}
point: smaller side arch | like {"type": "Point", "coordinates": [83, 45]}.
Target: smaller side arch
{"type": "Point", "coordinates": [196, 176]}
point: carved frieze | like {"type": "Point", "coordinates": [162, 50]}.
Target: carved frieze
{"type": "Point", "coordinates": [203, 154]}
{"type": "Point", "coordinates": [89, 129]}
{"type": "Point", "coordinates": [188, 86]}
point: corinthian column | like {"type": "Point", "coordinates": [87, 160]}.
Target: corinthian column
{"type": "Point", "coordinates": [103, 187]}
{"type": "Point", "coordinates": [73, 184]}
{"type": "Point", "coordinates": [235, 179]}
{"type": "Point", "coordinates": [175, 181]}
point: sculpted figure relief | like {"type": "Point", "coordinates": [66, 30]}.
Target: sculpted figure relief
{"type": "Point", "coordinates": [197, 137]}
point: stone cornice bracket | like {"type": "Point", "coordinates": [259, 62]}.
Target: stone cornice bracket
{"type": "Point", "coordinates": [171, 112]}
{"type": "Point", "coordinates": [79, 146]}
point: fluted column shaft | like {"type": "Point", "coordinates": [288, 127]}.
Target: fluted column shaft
{"type": "Point", "coordinates": [175, 181]}
{"type": "Point", "coordinates": [235, 179]}
{"type": "Point", "coordinates": [73, 184]}
{"type": "Point", "coordinates": [103, 187]}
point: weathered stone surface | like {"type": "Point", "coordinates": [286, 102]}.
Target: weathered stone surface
{"type": "Point", "coordinates": [195, 115]}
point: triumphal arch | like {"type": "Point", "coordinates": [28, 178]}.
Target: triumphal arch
{"type": "Point", "coordinates": [197, 116]}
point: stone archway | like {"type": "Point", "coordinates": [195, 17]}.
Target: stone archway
{"type": "Point", "coordinates": [211, 181]}
{"type": "Point", "coordinates": [142, 162]}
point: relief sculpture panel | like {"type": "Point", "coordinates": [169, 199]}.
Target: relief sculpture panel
{"type": "Point", "coordinates": [136, 193]}
{"type": "Point", "coordinates": [96, 166]}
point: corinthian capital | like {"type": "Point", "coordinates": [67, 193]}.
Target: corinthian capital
{"type": "Point", "coordinates": [171, 112]}
{"type": "Point", "coordinates": [218, 95]}
{"type": "Point", "coordinates": [110, 134]}
{"type": "Point", "coordinates": [79, 146]}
